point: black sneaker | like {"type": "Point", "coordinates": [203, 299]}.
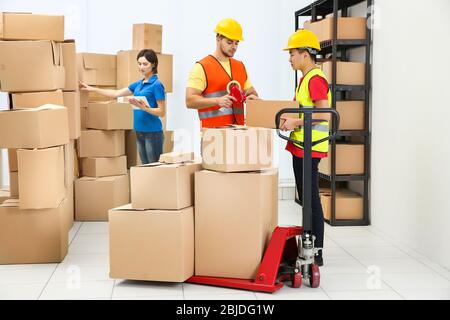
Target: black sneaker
{"type": "Point", "coordinates": [318, 260]}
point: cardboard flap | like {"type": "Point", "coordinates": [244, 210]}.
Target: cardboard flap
{"type": "Point", "coordinates": [98, 61]}
{"type": "Point", "coordinates": [176, 157]}
{"type": "Point", "coordinates": [10, 203]}
{"type": "Point", "coordinates": [1, 24]}
{"type": "Point", "coordinates": [57, 54]}
{"type": "Point", "coordinates": [48, 107]}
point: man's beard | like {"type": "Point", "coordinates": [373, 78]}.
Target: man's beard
{"type": "Point", "coordinates": [227, 54]}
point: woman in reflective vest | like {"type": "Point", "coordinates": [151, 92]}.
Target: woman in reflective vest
{"type": "Point", "coordinates": [312, 92]}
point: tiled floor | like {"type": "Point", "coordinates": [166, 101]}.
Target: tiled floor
{"type": "Point", "coordinates": [359, 264]}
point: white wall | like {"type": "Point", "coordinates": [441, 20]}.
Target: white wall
{"type": "Point", "coordinates": [410, 138]}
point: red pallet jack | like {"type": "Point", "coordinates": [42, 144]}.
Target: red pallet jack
{"type": "Point", "coordinates": [290, 253]}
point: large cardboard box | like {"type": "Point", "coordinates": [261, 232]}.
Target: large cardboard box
{"type": "Point", "coordinates": [72, 103]}
{"type": "Point", "coordinates": [348, 28]}
{"type": "Point", "coordinates": [70, 65]}
{"type": "Point", "coordinates": [36, 99]}
{"type": "Point", "coordinates": [99, 143]}
{"type": "Point", "coordinates": [349, 160]}
{"type": "Point", "coordinates": [110, 116]}
{"type": "Point", "coordinates": [97, 69]}
{"type": "Point", "coordinates": [237, 149]}
{"type": "Point", "coordinates": [104, 167]}
{"type": "Point", "coordinates": [151, 245]}
{"type": "Point", "coordinates": [12, 160]}
{"type": "Point", "coordinates": [147, 36]}
{"type": "Point", "coordinates": [261, 113]}
{"type": "Point", "coordinates": [348, 73]}
{"type": "Point", "coordinates": [42, 181]}
{"type": "Point", "coordinates": [233, 228]}
{"type": "Point", "coordinates": [31, 66]}
{"type": "Point", "coordinates": [27, 26]}
{"type": "Point", "coordinates": [14, 184]}
{"type": "Point", "coordinates": [32, 236]}
{"type": "Point", "coordinates": [95, 196]}
{"type": "Point", "coordinates": [349, 204]}
{"type": "Point", "coordinates": [175, 185]}
{"type": "Point", "coordinates": [4, 195]}
{"type": "Point", "coordinates": [133, 158]}
{"type": "Point", "coordinates": [351, 115]}
{"type": "Point", "coordinates": [42, 127]}
{"type": "Point", "coordinates": [128, 71]}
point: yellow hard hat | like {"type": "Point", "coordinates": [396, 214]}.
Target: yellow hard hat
{"type": "Point", "coordinates": [303, 38]}
{"type": "Point", "coordinates": [230, 29]}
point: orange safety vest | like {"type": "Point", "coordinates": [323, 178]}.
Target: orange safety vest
{"type": "Point", "coordinates": [217, 80]}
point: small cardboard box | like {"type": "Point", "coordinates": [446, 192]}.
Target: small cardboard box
{"type": "Point", "coordinates": [232, 227]}
{"type": "Point", "coordinates": [104, 167]}
{"type": "Point", "coordinates": [42, 127]}
{"type": "Point", "coordinates": [349, 160]}
{"type": "Point", "coordinates": [28, 26]}
{"type": "Point", "coordinates": [348, 73]}
{"type": "Point", "coordinates": [32, 236]}
{"type": "Point", "coordinates": [70, 65]}
{"type": "Point", "coordinates": [175, 185]}
{"type": "Point", "coordinates": [176, 157]}
{"type": "Point", "coordinates": [348, 28]}
{"type": "Point", "coordinates": [97, 69]}
{"type": "Point", "coordinates": [99, 143]}
{"type": "Point", "coordinates": [151, 245]}
{"type": "Point", "coordinates": [147, 36]}
{"type": "Point", "coordinates": [262, 113]}
{"type": "Point", "coordinates": [95, 196]}
{"type": "Point", "coordinates": [42, 181]}
{"type": "Point", "coordinates": [31, 66]}
{"type": "Point", "coordinates": [351, 115]}
{"type": "Point", "coordinates": [110, 116]}
{"type": "Point", "coordinates": [235, 149]}
{"type": "Point", "coordinates": [349, 204]}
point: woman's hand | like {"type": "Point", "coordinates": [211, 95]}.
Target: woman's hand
{"type": "Point", "coordinates": [138, 103]}
{"type": "Point", "coordinates": [85, 87]}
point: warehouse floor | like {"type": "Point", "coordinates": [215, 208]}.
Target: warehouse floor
{"type": "Point", "coordinates": [360, 263]}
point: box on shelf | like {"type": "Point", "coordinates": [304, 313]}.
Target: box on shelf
{"type": "Point", "coordinates": [349, 204]}
{"type": "Point", "coordinates": [349, 160]}
{"type": "Point", "coordinates": [349, 28]}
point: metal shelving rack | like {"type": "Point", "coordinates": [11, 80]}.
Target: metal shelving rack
{"type": "Point", "coordinates": [321, 8]}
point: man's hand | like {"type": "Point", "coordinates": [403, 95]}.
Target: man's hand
{"type": "Point", "coordinates": [226, 101]}
{"type": "Point", "coordinates": [138, 103]}
{"type": "Point", "coordinates": [288, 124]}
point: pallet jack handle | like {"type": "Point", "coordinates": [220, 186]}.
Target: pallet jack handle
{"type": "Point", "coordinates": [307, 145]}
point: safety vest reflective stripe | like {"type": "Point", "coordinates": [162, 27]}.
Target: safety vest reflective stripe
{"type": "Point", "coordinates": [216, 94]}
{"type": "Point", "coordinates": [220, 112]}
{"type": "Point", "coordinates": [319, 127]}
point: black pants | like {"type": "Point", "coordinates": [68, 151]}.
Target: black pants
{"type": "Point", "coordinates": [317, 212]}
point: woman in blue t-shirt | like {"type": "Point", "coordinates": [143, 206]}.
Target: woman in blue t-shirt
{"type": "Point", "coordinates": [147, 124]}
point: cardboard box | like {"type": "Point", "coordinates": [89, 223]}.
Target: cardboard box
{"type": "Point", "coordinates": [261, 113]}
{"type": "Point", "coordinates": [175, 185]}
{"type": "Point", "coordinates": [133, 158]}
{"type": "Point", "coordinates": [110, 116]}
{"type": "Point", "coordinates": [32, 236]}
{"type": "Point", "coordinates": [83, 119]}
{"type": "Point", "coordinates": [12, 160]}
{"type": "Point", "coordinates": [70, 64]}
{"type": "Point", "coordinates": [42, 127]}
{"type": "Point", "coordinates": [151, 245]}
{"type": "Point", "coordinates": [98, 143]}
{"type": "Point", "coordinates": [176, 157]}
{"type": "Point", "coordinates": [104, 167]}
{"type": "Point", "coordinates": [14, 184]}
{"type": "Point", "coordinates": [27, 26]}
{"type": "Point", "coordinates": [95, 196]}
{"type": "Point", "coordinates": [69, 208]}
{"type": "Point", "coordinates": [4, 195]}
{"type": "Point", "coordinates": [42, 177]}
{"type": "Point", "coordinates": [237, 149]}
{"type": "Point", "coordinates": [349, 205]}
{"type": "Point", "coordinates": [40, 61]}
{"type": "Point", "coordinates": [36, 99]}
{"type": "Point", "coordinates": [349, 160]}
{"type": "Point", "coordinates": [97, 69]}
{"type": "Point", "coordinates": [348, 28]}
{"type": "Point", "coordinates": [72, 103]}
{"type": "Point", "coordinates": [351, 115]}
{"type": "Point", "coordinates": [128, 71]}
{"type": "Point", "coordinates": [348, 73]}
{"type": "Point", "coordinates": [147, 36]}
{"type": "Point", "coordinates": [233, 228]}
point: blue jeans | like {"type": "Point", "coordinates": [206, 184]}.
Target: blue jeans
{"type": "Point", "coordinates": [150, 146]}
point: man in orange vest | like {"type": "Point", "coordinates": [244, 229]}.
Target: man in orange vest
{"type": "Point", "coordinates": [208, 86]}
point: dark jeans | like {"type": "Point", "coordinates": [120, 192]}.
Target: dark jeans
{"type": "Point", "coordinates": [150, 146]}
{"type": "Point", "coordinates": [317, 212]}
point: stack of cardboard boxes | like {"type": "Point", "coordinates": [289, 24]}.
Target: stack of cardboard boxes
{"type": "Point", "coordinates": [233, 227]}
{"type": "Point", "coordinates": [39, 133]}
{"type": "Point", "coordinates": [101, 148]}
{"type": "Point", "coordinates": [145, 36]}
{"type": "Point", "coordinates": [153, 237]}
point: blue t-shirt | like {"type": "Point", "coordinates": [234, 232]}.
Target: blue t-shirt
{"type": "Point", "coordinates": [153, 90]}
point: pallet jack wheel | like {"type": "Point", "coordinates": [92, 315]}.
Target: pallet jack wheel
{"type": "Point", "coordinates": [314, 279]}
{"type": "Point", "coordinates": [297, 280]}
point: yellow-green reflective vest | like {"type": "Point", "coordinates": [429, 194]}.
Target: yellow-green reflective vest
{"type": "Point", "coordinates": [320, 130]}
